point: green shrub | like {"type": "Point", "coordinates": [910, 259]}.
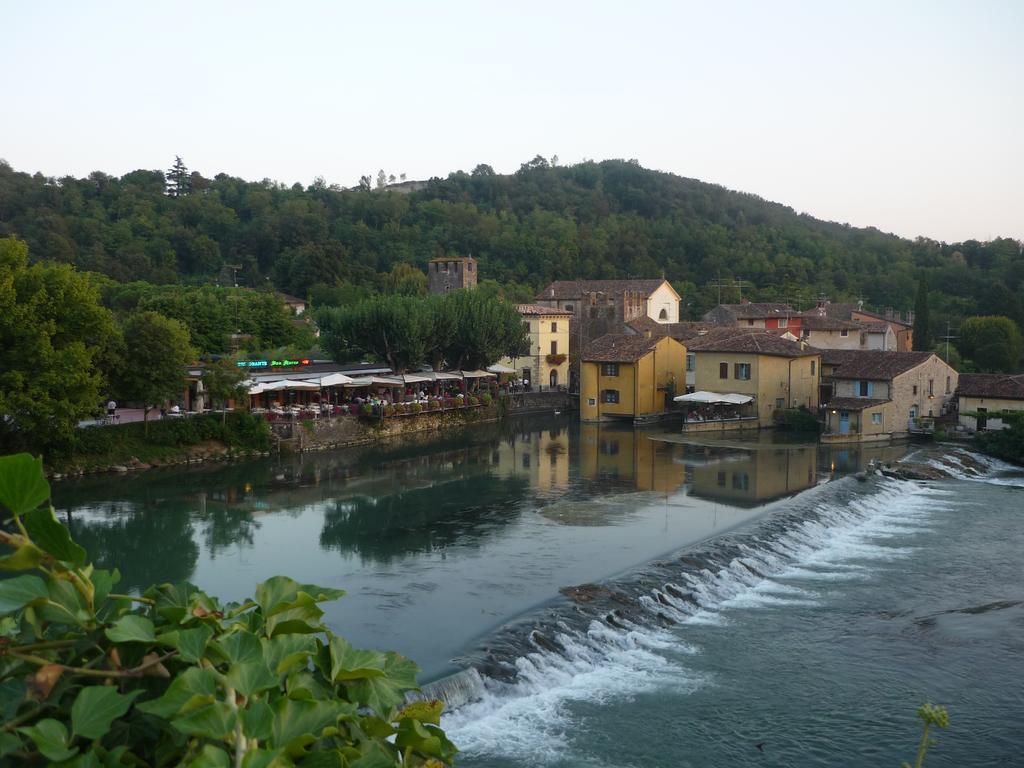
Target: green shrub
{"type": "Point", "coordinates": [796, 420]}
{"type": "Point", "coordinates": [473, 400]}
{"type": "Point", "coordinates": [435, 405]}
{"type": "Point", "coordinates": [366, 409]}
{"type": "Point", "coordinates": [90, 677]}
{"type": "Point", "coordinates": [417, 408]}
{"type": "Point", "coordinates": [486, 398]}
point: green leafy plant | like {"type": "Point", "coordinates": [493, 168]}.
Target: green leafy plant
{"type": "Point", "coordinates": [90, 677]}
{"type": "Point", "coordinates": [486, 399]}
{"type": "Point", "coordinates": [929, 714]}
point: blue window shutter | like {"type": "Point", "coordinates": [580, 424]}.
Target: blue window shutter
{"type": "Point", "coordinates": [871, 388]}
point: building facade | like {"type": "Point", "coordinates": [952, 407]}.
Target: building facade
{"type": "Point", "coordinates": [600, 307]}
{"type": "Point", "coordinates": [873, 395]}
{"type": "Point", "coordinates": [767, 315]}
{"type": "Point", "coordinates": [778, 373]}
{"type": "Point", "coordinates": [983, 399]}
{"type": "Point", "coordinates": [451, 273]}
{"type": "Point", "coordinates": [630, 377]}
{"type": "Point", "coordinates": [547, 364]}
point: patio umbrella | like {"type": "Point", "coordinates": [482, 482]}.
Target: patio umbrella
{"type": "Point", "coordinates": [499, 368]}
{"type": "Point", "coordinates": [477, 374]}
{"type": "Point", "coordinates": [335, 380]}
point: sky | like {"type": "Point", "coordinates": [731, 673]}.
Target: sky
{"type": "Point", "coordinates": [907, 116]}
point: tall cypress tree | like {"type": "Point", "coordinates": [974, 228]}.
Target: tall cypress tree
{"type": "Point", "coordinates": [922, 322]}
{"type": "Point", "coordinates": [179, 182]}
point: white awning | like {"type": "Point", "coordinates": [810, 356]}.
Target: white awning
{"type": "Point", "coordinates": [443, 376]}
{"type": "Point", "coordinates": [289, 384]}
{"type": "Point", "coordinates": [499, 368]}
{"type": "Point", "coordinates": [478, 374]}
{"type": "Point", "coordinates": [374, 381]}
{"type": "Point", "coordinates": [335, 380]}
{"type": "Point", "coordinates": [713, 397]}
{"type": "Point", "coordinates": [415, 378]}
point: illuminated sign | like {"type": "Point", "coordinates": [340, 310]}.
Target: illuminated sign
{"type": "Point", "coordinates": [272, 363]}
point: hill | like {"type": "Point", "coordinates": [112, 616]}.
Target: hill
{"type": "Point", "coordinates": [592, 220]}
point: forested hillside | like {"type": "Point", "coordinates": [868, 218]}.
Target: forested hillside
{"type": "Point", "coordinates": [592, 220]}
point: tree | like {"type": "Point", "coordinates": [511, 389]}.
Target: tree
{"type": "Point", "coordinates": [53, 332]}
{"type": "Point", "coordinates": [223, 379]}
{"type": "Point", "coordinates": [483, 330]}
{"type": "Point", "coordinates": [922, 322]}
{"type": "Point", "coordinates": [156, 353]}
{"type": "Point", "coordinates": [401, 330]}
{"type": "Point", "coordinates": [993, 343]}
{"type": "Point", "coordinates": [406, 280]}
{"type": "Point", "coordinates": [179, 181]}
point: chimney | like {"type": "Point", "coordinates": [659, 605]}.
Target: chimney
{"type": "Point", "coordinates": [888, 313]}
{"type": "Point", "coordinates": [552, 293]}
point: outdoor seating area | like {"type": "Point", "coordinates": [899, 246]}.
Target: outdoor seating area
{"type": "Point", "coordinates": [338, 395]}
{"type": "Point", "coordinates": [707, 411]}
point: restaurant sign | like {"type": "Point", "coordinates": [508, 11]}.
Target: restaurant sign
{"type": "Point", "coordinates": [272, 363]}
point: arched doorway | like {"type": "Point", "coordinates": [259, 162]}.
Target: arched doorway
{"type": "Point", "coordinates": [663, 315]}
{"type": "Point", "coordinates": [554, 379]}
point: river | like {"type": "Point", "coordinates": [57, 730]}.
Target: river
{"type": "Point", "coordinates": [620, 597]}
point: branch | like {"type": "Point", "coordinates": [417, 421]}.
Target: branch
{"type": "Point", "coordinates": [115, 673]}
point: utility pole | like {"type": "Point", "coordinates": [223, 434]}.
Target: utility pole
{"type": "Point", "coordinates": [947, 337]}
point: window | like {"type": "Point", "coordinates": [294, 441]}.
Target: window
{"type": "Point", "coordinates": [740, 481]}
{"type": "Point", "coordinates": [863, 388]}
{"type": "Point", "coordinates": [783, 322]}
{"type": "Point", "coordinates": [814, 367]}
{"type": "Point", "coordinates": [691, 361]}
{"type": "Point", "coordinates": [610, 396]}
{"type": "Point", "coordinates": [844, 333]}
{"type": "Point", "coordinates": [780, 402]}
{"type": "Point", "coordinates": [444, 266]}
{"type": "Point", "coordinates": [610, 369]}
{"type": "Point", "coordinates": [931, 387]}
{"type": "Point", "coordinates": [568, 308]}
{"type": "Point", "coordinates": [742, 371]}
{"type": "Point", "coordinates": [554, 347]}
{"type": "Point", "coordinates": [469, 266]}
{"type": "Point", "coordinates": [591, 401]}
{"type": "Point", "coordinates": [915, 389]}
{"type": "Point", "coordinates": [526, 461]}
{"type": "Point", "coordinates": [947, 385]}
{"type": "Point", "coordinates": [805, 332]}
{"type": "Point", "coordinates": [721, 479]}
{"type": "Point", "coordinates": [723, 370]}
{"type": "Point", "coordinates": [554, 327]}
{"type": "Point", "coordinates": [750, 322]}
{"type": "Point", "coordinates": [876, 419]}
{"type": "Point", "coordinates": [663, 315]}
{"type": "Point", "coordinates": [610, 447]}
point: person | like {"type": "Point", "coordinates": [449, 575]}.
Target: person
{"type": "Point", "coordinates": [175, 410]}
{"type": "Point", "coordinates": [111, 409]}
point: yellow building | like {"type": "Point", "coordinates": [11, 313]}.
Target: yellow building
{"type": "Point", "coordinates": [874, 395]}
{"type": "Point", "coordinates": [983, 398]}
{"type": "Point", "coordinates": [547, 365]}
{"type": "Point", "coordinates": [778, 373]}
{"type": "Point", "coordinates": [630, 377]}
{"type": "Point", "coordinates": [749, 478]}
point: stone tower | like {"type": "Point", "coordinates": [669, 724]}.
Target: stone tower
{"type": "Point", "coordinates": [451, 273]}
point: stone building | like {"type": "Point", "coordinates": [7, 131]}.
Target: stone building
{"type": "Point", "coordinates": [451, 273]}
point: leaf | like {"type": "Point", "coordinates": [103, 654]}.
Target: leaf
{"type": "Point", "coordinates": [52, 536]}
{"type": "Point", "coordinates": [190, 643]}
{"type": "Point", "coordinates": [9, 743]}
{"type": "Point", "coordinates": [326, 758]}
{"type": "Point", "coordinates": [102, 582]}
{"type": "Point", "coordinates": [423, 711]}
{"type": "Point", "coordinates": [381, 694]}
{"type": "Point", "coordinates": [18, 592]}
{"type": "Point", "coordinates": [26, 557]}
{"type": "Point", "coordinates": [251, 677]}
{"type": "Point", "coordinates": [65, 605]}
{"type": "Point", "coordinates": [279, 593]}
{"type": "Point", "coordinates": [348, 663]}
{"type": "Point", "coordinates": [23, 485]}
{"type": "Point", "coordinates": [45, 678]}
{"type": "Point", "coordinates": [12, 694]}
{"type": "Point", "coordinates": [425, 739]}
{"type": "Point", "coordinates": [214, 720]}
{"type": "Point", "coordinates": [96, 707]}
{"type": "Point", "coordinates": [285, 651]}
{"type": "Point", "coordinates": [257, 720]}
{"type": "Point", "coordinates": [131, 628]}
{"type": "Point", "coordinates": [192, 687]}
{"type": "Point", "coordinates": [51, 739]}
{"type": "Point", "coordinates": [374, 756]}
{"type": "Point", "coordinates": [298, 723]}
{"type": "Point", "coordinates": [264, 758]}
{"type": "Point", "coordinates": [211, 757]}
{"type": "Point", "coordinates": [240, 647]}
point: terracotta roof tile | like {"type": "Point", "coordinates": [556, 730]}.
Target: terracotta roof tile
{"type": "Point", "coordinates": [854, 403]}
{"type": "Point", "coordinates": [875, 365]}
{"type": "Point", "coordinates": [991, 385]}
{"type": "Point", "coordinates": [759, 310]}
{"type": "Point", "coordinates": [679, 331]}
{"type": "Point", "coordinates": [574, 289]}
{"type": "Point", "coordinates": [537, 309]}
{"type": "Point", "coordinates": [754, 340]}
{"type": "Point", "coordinates": [618, 348]}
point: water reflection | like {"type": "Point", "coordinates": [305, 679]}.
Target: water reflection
{"type": "Point", "coordinates": [411, 499]}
